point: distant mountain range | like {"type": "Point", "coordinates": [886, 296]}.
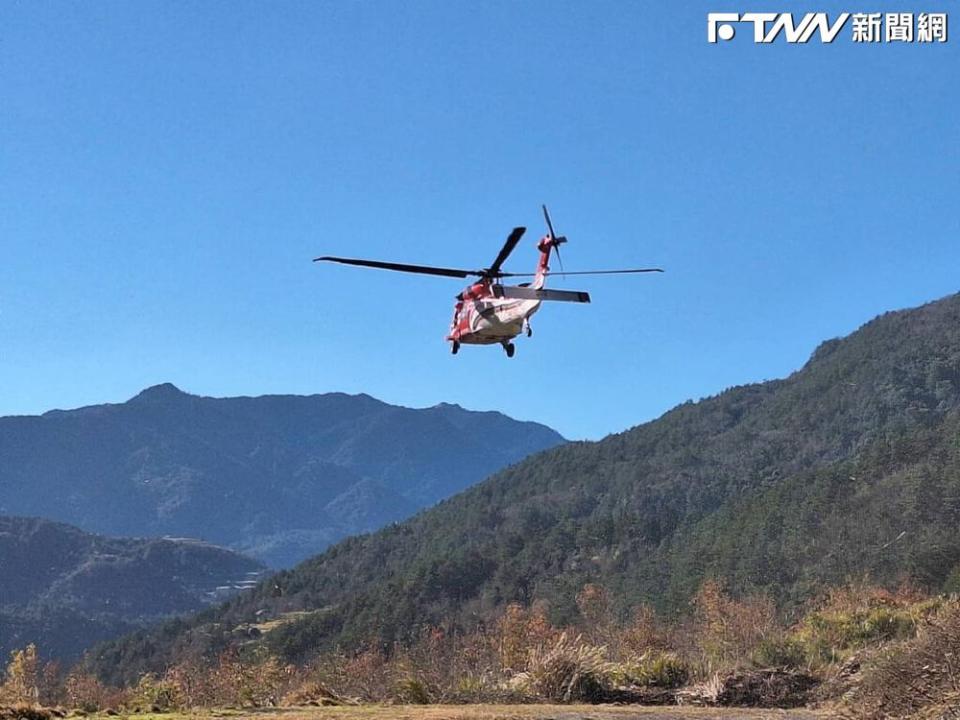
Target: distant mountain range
{"type": "Point", "coordinates": [276, 477]}
{"type": "Point", "coordinates": [848, 467]}
{"type": "Point", "coordinates": [64, 589]}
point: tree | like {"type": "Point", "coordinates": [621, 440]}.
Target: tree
{"type": "Point", "coordinates": [22, 683]}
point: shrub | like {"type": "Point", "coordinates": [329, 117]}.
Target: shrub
{"type": "Point", "coordinates": [645, 632]}
{"type": "Point", "coordinates": [411, 690]}
{"type": "Point", "coordinates": [519, 631]}
{"type": "Point", "coordinates": [192, 682]}
{"type": "Point", "coordinates": [365, 675]}
{"type": "Point", "coordinates": [449, 667]}
{"type": "Point", "coordinates": [240, 682]}
{"type": "Point", "coordinates": [770, 688]}
{"type": "Point", "coordinates": [593, 603]}
{"type": "Point", "coordinates": [155, 695]}
{"type": "Point", "coordinates": [569, 670]}
{"type": "Point", "coordinates": [919, 677]}
{"type": "Point", "coordinates": [313, 692]}
{"type": "Point", "coordinates": [658, 669]}
{"type": "Point", "coordinates": [788, 652]}
{"type": "Point", "coordinates": [25, 711]}
{"type": "Point", "coordinates": [85, 692]}
{"type": "Point", "coordinates": [473, 688]}
{"type": "Point", "coordinates": [832, 634]}
{"type": "Point", "coordinates": [729, 630]}
{"type": "Point", "coordinates": [858, 616]}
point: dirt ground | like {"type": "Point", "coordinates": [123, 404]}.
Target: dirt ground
{"type": "Point", "coordinates": [513, 712]}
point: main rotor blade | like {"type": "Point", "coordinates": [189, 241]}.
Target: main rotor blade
{"type": "Point", "coordinates": [505, 251]}
{"type": "Point", "coordinates": [588, 272]}
{"type": "Point", "coordinates": [420, 269]}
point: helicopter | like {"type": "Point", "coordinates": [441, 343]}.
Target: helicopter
{"type": "Point", "coordinates": [487, 312]}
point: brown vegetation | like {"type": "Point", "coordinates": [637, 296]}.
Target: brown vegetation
{"type": "Point", "coordinates": [873, 652]}
{"type": "Point", "coordinates": [917, 677]}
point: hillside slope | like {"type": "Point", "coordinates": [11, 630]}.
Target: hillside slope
{"type": "Point", "coordinates": [64, 589]}
{"type": "Point", "coordinates": [849, 466]}
{"type": "Point", "coordinates": [277, 477]}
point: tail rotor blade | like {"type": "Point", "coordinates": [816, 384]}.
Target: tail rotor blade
{"type": "Point", "coordinates": [546, 216]}
{"type": "Point", "coordinates": [554, 240]}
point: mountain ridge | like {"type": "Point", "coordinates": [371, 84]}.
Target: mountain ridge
{"type": "Point", "coordinates": [278, 476]}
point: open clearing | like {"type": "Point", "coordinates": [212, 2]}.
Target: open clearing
{"type": "Point", "coordinates": [505, 712]}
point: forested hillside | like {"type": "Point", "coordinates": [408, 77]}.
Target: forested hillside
{"type": "Point", "coordinates": [64, 590]}
{"type": "Point", "coordinates": [850, 466]}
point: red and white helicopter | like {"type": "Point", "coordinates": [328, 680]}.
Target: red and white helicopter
{"type": "Point", "coordinates": [488, 312]}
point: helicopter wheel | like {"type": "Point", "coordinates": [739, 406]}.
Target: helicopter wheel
{"type": "Point", "coordinates": [510, 348]}
{"type": "Point", "coordinates": [455, 348]}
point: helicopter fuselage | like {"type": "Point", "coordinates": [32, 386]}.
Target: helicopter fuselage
{"type": "Point", "coordinates": [479, 318]}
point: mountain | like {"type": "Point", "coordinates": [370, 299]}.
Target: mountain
{"type": "Point", "coordinates": [65, 590]}
{"type": "Point", "coordinates": [849, 466]}
{"type": "Point", "coordinates": [276, 477]}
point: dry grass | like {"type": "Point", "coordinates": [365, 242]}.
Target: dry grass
{"type": "Point", "coordinates": [493, 712]}
{"type": "Point", "coordinates": [917, 678]}
{"type": "Point", "coordinates": [569, 670]}
{"type": "Point", "coordinates": [730, 651]}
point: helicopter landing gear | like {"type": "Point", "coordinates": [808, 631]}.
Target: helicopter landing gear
{"type": "Point", "coordinates": [455, 348]}
{"type": "Point", "coordinates": [510, 349]}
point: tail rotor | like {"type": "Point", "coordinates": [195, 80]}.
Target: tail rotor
{"type": "Point", "coordinates": [555, 240]}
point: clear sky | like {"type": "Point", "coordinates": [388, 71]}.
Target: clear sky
{"type": "Point", "coordinates": [169, 169]}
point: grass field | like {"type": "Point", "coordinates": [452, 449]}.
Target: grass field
{"type": "Point", "coordinates": [499, 712]}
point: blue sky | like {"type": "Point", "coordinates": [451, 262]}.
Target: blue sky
{"type": "Point", "coordinates": [168, 170]}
